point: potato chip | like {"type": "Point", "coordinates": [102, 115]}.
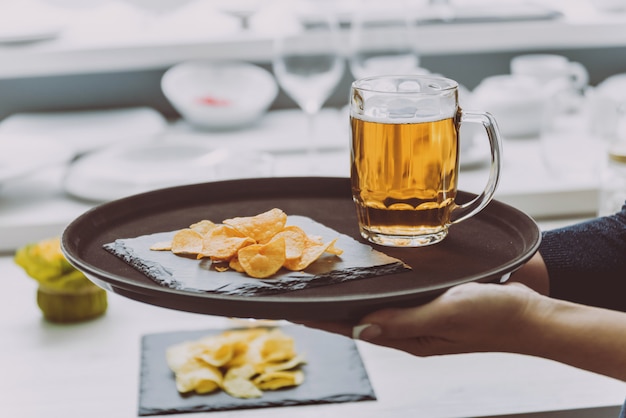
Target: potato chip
{"type": "Point", "coordinates": [207, 385]}
{"type": "Point", "coordinates": [221, 267]}
{"type": "Point", "coordinates": [241, 340]}
{"type": "Point", "coordinates": [238, 382]}
{"type": "Point", "coordinates": [309, 255]}
{"type": "Point", "coordinates": [203, 227]}
{"type": "Point", "coordinates": [332, 249]}
{"type": "Point", "coordinates": [223, 242]}
{"type": "Point", "coordinates": [278, 379]}
{"type": "Point", "coordinates": [276, 346]}
{"type": "Point", "coordinates": [236, 265]}
{"type": "Point", "coordinates": [262, 260]}
{"type": "Point", "coordinates": [180, 354]}
{"type": "Point", "coordinates": [245, 371]}
{"type": "Point", "coordinates": [271, 347]}
{"type": "Point", "coordinates": [244, 335]}
{"type": "Point", "coordinates": [215, 352]}
{"type": "Point", "coordinates": [314, 240]}
{"type": "Point", "coordinates": [241, 388]}
{"type": "Point", "coordinates": [292, 363]}
{"type": "Point", "coordinates": [199, 377]}
{"type": "Point", "coordinates": [295, 241]}
{"type": "Point", "coordinates": [187, 242]}
{"type": "Point", "coordinates": [261, 227]}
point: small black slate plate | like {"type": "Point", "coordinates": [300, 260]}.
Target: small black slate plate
{"type": "Point", "coordinates": [334, 373]}
{"type": "Point", "coordinates": [357, 261]}
{"type": "Point", "coordinates": [485, 248]}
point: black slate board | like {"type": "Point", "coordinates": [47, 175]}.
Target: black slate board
{"type": "Point", "coordinates": [334, 373]}
{"type": "Point", "coordinates": [183, 273]}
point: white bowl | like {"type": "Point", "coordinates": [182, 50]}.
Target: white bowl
{"type": "Point", "coordinates": [219, 95]}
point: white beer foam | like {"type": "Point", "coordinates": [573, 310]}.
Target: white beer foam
{"type": "Point", "coordinates": [405, 110]}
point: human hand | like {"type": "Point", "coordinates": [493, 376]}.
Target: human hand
{"type": "Point", "coordinates": [472, 317]}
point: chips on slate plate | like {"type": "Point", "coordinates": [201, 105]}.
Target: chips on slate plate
{"type": "Point", "coordinates": [243, 363]}
{"type": "Point", "coordinates": [256, 245]}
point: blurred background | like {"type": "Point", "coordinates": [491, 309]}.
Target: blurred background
{"type": "Point", "coordinates": [111, 53]}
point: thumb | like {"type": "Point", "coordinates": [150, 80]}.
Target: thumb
{"type": "Point", "coordinates": [401, 323]}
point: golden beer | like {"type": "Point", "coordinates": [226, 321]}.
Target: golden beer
{"type": "Point", "coordinates": [405, 158]}
{"type": "Point", "coordinates": [404, 179]}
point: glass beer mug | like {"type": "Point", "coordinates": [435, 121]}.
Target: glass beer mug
{"type": "Point", "coordinates": [405, 158]}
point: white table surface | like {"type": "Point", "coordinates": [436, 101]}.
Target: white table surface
{"type": "Point", "coordinates": [92, 369]}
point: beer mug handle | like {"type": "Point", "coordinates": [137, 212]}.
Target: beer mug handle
{"type": "Point", "coordinates": [471, 208]}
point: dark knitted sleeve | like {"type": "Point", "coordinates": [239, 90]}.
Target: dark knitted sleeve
{"type": "Point", "coordinates": [587, 261]}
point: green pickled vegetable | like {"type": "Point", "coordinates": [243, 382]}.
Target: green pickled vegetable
{"type": "Point", "coordinates": [64, 294]}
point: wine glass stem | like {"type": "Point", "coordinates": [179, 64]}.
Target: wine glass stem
{"type": "Point", "coordinates": [311, 145]}
{"type": "Point", "coordinates": [245, 22]}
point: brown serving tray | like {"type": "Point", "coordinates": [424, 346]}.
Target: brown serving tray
{"type": "Point", "coordinates": [485, 248]}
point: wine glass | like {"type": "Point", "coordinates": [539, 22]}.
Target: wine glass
{"type": "Point", "coordinates": [309, 65]}
{"type": "Point", "coordinates": [441, 9]}
{"type": "Point", "coordinates": [382, 40]}
{"type": "Point", "coordinates": [243, 10]}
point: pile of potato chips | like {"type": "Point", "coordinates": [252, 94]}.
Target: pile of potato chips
{"type": "Point", "coordinates": [257, 245]}
{"type": "Point", "coordinates": [243, 363]}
